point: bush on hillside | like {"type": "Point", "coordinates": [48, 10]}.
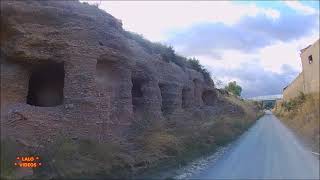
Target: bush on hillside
{"type": "Point", "coordinates": [168, 54]}
{"type": "Point", "coordinates": [195, 64]}
{"type": "Point", "coordinates": [147, 45]}
{"type": "Point", "coordinates": [234, 88]}
{"type": "Point", "coordinates": [294, 103]}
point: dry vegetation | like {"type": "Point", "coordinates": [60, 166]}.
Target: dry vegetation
{"type": "Point", "coordinates": [302, 115]}
{"type": "Point", "coordinates": [176, 142]}
{"type": "Point", "coordinates": [154, 147]}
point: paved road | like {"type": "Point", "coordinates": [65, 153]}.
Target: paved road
{"type": "Point", "coordinates": [268, 151]}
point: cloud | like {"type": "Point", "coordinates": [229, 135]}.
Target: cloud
{"type": "Point", "coordinates": [154, 18]}
{"type": "Point", "coordinates": [248, 35]}
{"type": "Point", "coordinates": [296, 5]}
{"type": "Point", "coordinates": [265, 72]}
{"type": "Point", "coordinates": [255, 80]}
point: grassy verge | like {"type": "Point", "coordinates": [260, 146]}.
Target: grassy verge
{"type": "Point", "coordinates": [302, 115]}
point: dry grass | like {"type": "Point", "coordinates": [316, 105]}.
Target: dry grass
{"type": "Point", "coordinates": [303, 116]}
{"type": "Point", "coordinates": [250, 107]}
{"type": "Point", "coordinates": [65, 158]}
{"type": "Point", "coordinates": [154, 146]}
{"type": "Point", "coordinates": [178, 141]}
{"type": "Point", "coordinates": [161, 142]}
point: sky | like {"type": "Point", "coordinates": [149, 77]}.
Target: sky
{"type": "Point", "coordinates": [256, 43]}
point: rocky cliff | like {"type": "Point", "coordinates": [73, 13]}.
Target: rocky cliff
{"type": "Point", "coordinates": [70, 68]}
{"type": "Point", "coordinates": [67, 65]}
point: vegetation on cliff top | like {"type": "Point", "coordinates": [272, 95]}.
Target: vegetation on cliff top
{"type": "Point", "coordinates": [168, 54]}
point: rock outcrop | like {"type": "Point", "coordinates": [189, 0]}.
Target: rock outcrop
{"type": "Point", "coordinates": [67, 66]}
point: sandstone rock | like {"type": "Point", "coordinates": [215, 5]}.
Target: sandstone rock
{"type": "Point", "coordinates": [99, 74]}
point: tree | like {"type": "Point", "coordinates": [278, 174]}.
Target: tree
{"type": "Point", "coordinates": [233, 88]}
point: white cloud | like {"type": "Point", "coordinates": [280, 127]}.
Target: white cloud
{"type": "Point", "coordinates": [154, 19]}
{"type": "Point", "coordinates": [269, 62]}
{"type": "Point", "coordinates": [229, 59]}
{"type": "Point", "coordinates": [274, 14]}
{"type": "Point", "coordinates": [274, 56]}
{"type": "Point", "coordinates": [296, 5]}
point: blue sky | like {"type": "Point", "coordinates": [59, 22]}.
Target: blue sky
{"type": "Point", "coordinates": [256, 43]}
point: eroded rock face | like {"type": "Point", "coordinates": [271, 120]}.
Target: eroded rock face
{"type": "Point", "coordinates": [68, 66]}
{"type": "Point", "coordinates": [209, 97]}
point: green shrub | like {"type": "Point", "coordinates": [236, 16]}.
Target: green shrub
{"type": "Point", "coordinates": [206, 74]}
{"type": "Point", "coordinates": [301, 98]}
{"type": "Point", "coordinates": [195, 64]}
{"type": "Point", "coordinates": [234, 88]}
{"type": "Point", "coordinates": [294, 103]}
{"type": "Point", "coordinates": [168, 54]}
{"type": "Point", "coordinates": [180, 61]}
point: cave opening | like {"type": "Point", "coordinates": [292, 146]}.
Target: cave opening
{"type": "Point", "coordinates": [185, 96]}
{"type": "Point", "coordinates": [162, 90]}
{"type": "Point", "coordinates": [209, 97]}
{"type": "Point", "coordinates": [46, 85]}
{"type": "Point", "coordinates": [196, 86]}
{"type": "Point", "coordinates": [137, 93]}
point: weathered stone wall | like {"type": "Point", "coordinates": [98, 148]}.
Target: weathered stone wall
{"type": "Point", "coordinates": [308, 80]}
{"type": "Point", "coordinates": [294, 88]}
{"type": "Point", "coordinates": [311, 70]}
{"type": "Point", "coordinates": [109, 80]}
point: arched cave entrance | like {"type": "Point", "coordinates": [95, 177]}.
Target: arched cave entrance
{"type": "Point", "coordinates": [209, 97]}
{"type": "Point", "coordinates": [46, 85]}
{"type": "Point", "coordinates": [137, 93]}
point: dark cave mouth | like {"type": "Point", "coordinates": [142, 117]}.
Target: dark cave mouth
{"type": "Point", "coordinates": [46, 85]}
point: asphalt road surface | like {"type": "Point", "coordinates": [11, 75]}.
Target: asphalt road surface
{"type": "Point", "coordinates": [269, 150]}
